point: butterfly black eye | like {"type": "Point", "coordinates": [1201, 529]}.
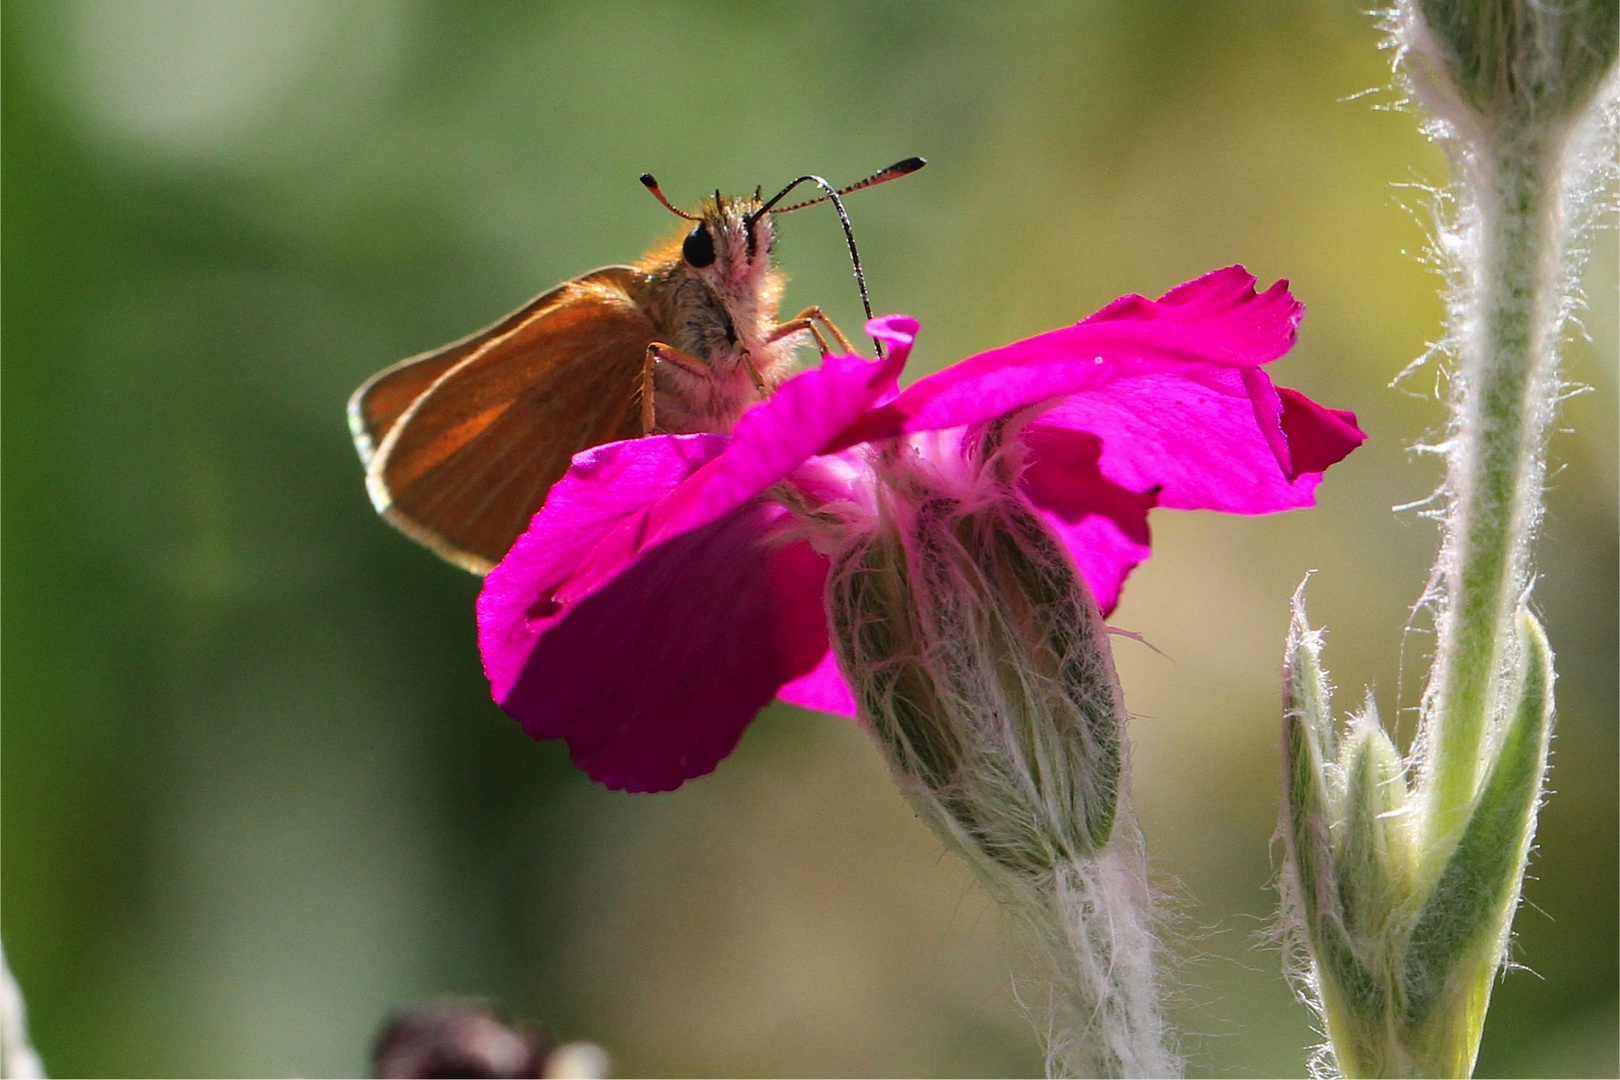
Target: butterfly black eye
{"type": "Point", "coordinates": [698, 250]}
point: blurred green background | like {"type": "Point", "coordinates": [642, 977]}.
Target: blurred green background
{"type": "Point", "coordinates": [255, 793]}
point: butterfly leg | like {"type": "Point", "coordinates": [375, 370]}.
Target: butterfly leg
{"type": "Point", "coordinates": [807, 320]}
{"type": "Point", "coordinates": [648, 400]}
{"type": "Point", "coordinates": [821, 342]}
{"type": "Point", "coordinates": [674, 374]}
{"type": "Point", "coordinates": [753, 373]}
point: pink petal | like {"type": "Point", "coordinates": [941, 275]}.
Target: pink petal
{"type": "Point", "coordinates": [652, 677]}
{"type": "Point", "coordinates": [605, 487]}
{"type": "Point", "coordinates": [824, 689]}
{"type": "Point", "coordinates": [1305, 437]}
{"type": "Point", "coordinates": [1256, 329]}
{"type": "Point", "coordinates": [1194, 439]}
{"type": "Point", "coordinates": [1216, 320]}
{"type": "Point", "coordinates": [1317, 436]}
{"type": "Point", "coordinates": [1104, 525]}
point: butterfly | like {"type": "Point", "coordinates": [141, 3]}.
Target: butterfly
{"type": "Point", "coordinates": [461, 444]}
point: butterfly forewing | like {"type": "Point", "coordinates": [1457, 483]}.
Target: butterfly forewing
{"type": "Point", "coordinates": [384, 398]}
{"type": "Point", "coordinates": [496, 419]}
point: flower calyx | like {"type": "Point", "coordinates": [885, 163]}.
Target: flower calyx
{"type": "Point", "coordinates": [981, 662]}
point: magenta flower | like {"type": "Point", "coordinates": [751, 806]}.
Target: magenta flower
{"type": "Point", "coordinates": [672, 586]}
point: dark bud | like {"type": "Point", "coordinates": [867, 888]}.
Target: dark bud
{"type": "Point", "coordinates": [445, 1039]}
{"type": "Point", "coordinates": [698, 250]}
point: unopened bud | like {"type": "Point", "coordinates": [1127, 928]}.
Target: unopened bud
{"type": "Point", "coordinates": [1405, 937]}
{"type": "Point", "coordinates": [1509, 63]}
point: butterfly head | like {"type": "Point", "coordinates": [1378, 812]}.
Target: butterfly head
{"type": "Point", "coordinates": [729, 241]}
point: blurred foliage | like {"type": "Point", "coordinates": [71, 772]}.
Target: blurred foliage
{"type": "Point", "coordinates": [255, 793]}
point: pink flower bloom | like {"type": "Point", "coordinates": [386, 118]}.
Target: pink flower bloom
{"type": "Point", "coordinates": [672, 585]}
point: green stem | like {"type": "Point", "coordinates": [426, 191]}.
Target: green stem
{"type": "Point", "coordinates": [1508, 317]}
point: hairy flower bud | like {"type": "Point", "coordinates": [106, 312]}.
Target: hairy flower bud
{"type": "Point", "coordinates": [1403, 938]}
{"type": "Point", "coordinates": [1508, 62]}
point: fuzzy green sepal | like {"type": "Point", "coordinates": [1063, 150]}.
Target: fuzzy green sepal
{"type": "Point", "coordinates": [1403, 962]}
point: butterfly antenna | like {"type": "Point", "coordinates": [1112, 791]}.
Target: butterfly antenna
{"type": "Point", "coordinates": [899, 168]}
{"type": "Point", "coordinates": [651, 185]}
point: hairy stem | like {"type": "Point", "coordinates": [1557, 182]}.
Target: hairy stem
{"type": "Point", "coordinates": [1507, 312]}
{"type": "Point", "coordinates": [1092, 931]}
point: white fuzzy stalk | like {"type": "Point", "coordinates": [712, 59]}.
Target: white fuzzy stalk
{"type": "Point", "coordinates": [1091, 928]}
